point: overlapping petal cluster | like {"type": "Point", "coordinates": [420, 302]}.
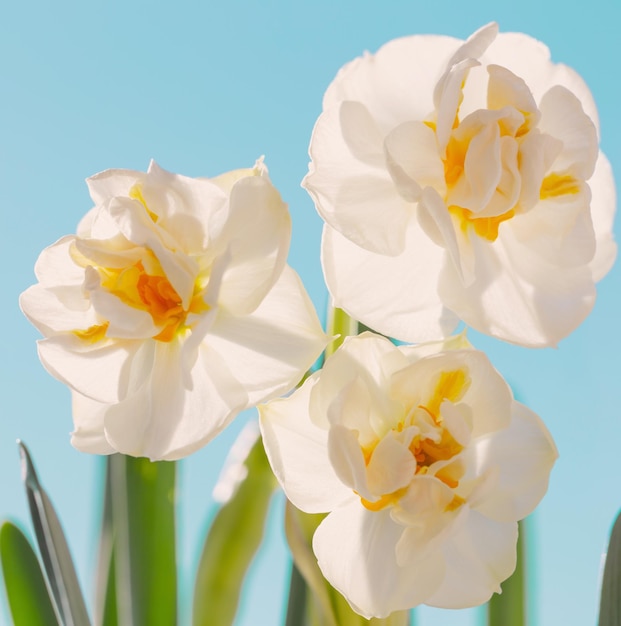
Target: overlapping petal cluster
{"type": "Point", "coordinates": [425, 463]}
{"type": "Point", "coordinates": [462, 180]}
{"type": "Point", "coordinates": [172, 309]}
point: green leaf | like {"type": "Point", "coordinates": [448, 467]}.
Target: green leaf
{"type": "Point", "coordinates": [27, 594]}
{"type": "Point", "coordinates": [61, 575]}
{"type": "Point", "coordinates": [610, 602]}
{"type": "Point", "coordinates": [143, 564]}
{"type": "Point", "coordinates": [231, 543]}
{"type": "Point", "coordinates": [509, 608]}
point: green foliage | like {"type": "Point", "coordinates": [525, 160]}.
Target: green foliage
{"type": "Point", "coordinates": [231, 543]}
{"type": "Point", "coordinates": [29, 600]}
{"type": "Point", "coordinates": [61, 575]}
{"type": "Point", "coordinates": [610, 602]}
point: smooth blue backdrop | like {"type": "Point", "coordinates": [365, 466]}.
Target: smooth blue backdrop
{"type": "Point", "coordinates": [205, 87]}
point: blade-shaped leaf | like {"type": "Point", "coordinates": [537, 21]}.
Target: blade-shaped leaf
{"type": "Point", "coordinates": [61, 574]}
{"type": "Point", "coordinates": [231, 543]}
{"type": "Point", "coordinates": [610, 602]}
{"type": "Point", "coordinates": [509, 608]}
{"type": "Point", "coordinates": [27, 594]}
{"type": "Point", "coordinates": [143, 564]}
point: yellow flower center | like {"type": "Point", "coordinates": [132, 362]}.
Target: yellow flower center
{"type": "Point", "coordinates": [152, 293]}
{"type": "Point", "coordinates": [451, 386]}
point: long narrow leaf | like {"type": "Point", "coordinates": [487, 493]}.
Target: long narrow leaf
{"type": "Point", "coordinates": [232, 542]}
{"type": "Point", "coordinates": [610, 602]}
{"type": "Point", "coordinates": [61, 574]}
{"type": "Point", "coordinates": [144, 561]}
{"type": "Point", "coordinates": [509, 608]}
{"type": "Point", "coordinates": [29, 601]}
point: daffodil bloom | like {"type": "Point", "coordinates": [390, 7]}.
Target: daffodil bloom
{"type": "Point", "coordinates": [423, 461]}
{"type": "Point", "coordinates": [172, 309]}
{"type": "Point", "coordinates": [462, 180]}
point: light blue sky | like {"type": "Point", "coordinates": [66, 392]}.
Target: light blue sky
{"type": "Point", "coordinates": [205, 87]}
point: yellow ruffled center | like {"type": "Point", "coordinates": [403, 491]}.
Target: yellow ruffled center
{"type": "Point", "coordinates": [451, 386]}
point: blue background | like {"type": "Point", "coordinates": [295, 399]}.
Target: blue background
{"type": "Point", "coordinates": [206, 87]}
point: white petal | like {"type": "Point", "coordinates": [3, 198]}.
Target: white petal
{"type": "Point", "coordinates": [530, 60]}
{"type": "Point", "coordinates": [348, 461]}
{"type": "Point", "coordinates": [523, 454]}
{"type": "Point", "coordinates": [257, 234]}
{"type": "Point", "coordinates": [191, 211]}
{"type": "Point", "coordinates": [88, 418]}
{"type": "Point", "coordinates": [57, 310]}
{"type": "Point", "coordinates": [366, 358]}
{"type": "Point", "coordinates": [413, 160]}
{"type": "Point", "coordinates": [478, 558]}
{"type": "Point", "coordinates": [518, 296]}
{"type": "Point", "coordinates": [356, 551]}
{"type": "Point", "coordinates": [391, 466]}
{"type": "Point", "coordinates": [563, 118]}
{"type": "Point", "coordinates": [363, 283]}
{"type": "Point", "coordinates": [391, 83]}
{"type": "Point", "coordinates": [350, 185]}
{"type": "Point", "coordinates": [166, 418]}
{"type": "Point", "coordinates": [298, 453]}
{"type": "Point", "coordinates": [96, 371]}
{"type": "Point", "coordinates": [112, 183]}
{"type": "Point", "coordinates": [603, 204]}
{"type": "Point", "coordinates": [270, 350]}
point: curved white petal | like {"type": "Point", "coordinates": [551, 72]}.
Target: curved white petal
{"type": "Point", "coordinates": [603, 204]}
{"type": "Point", "coordinates": [52, 311]}
{"type": "Point", "coordinates": [364, 283]}
{"type": "Point", "coordinates": [269, 350]}
{"type": "Point", "coordinates": [96, 371]}
{"type": "Point", "coordinates": [298, 453]}
{"type": "Point", "coordinates": [169, 417]}
{"type": "Point", "coordinates": [478, 557]}
{"type": "Point", "coordinates": [348, 180]}
{"type": "Point", "coordinates": [392, 83]}
{"type": "Point", "coordinates": [530, 60]}
{"type": "Point", "coordinates": [256, 235]}
{"type": "Point", "coordinates": [356, 551]}
{"type": "Point", "coordinates": [518, 296]}
{"type": "Point", "coordinates": [88, 418]}
{"type": "Point", "coordinates": [522, 457]}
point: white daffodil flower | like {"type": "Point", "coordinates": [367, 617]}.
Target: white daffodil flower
{"type": "Point", "coordinates": [425, 463]}
{"type": "Point", "coordinates": [172, 309]}
{"type": "Point", "coordinates": [462, 180]}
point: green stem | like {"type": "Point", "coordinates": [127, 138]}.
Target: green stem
{"type": "Point", "coordinates": [509, 608]}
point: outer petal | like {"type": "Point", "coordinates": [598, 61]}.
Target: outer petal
{"type": "Point", "coordinates": [396, 83]}
{"type": "Point", "coordinates": [362, 282]}
{"type": "Point", "coordinates": [256, 235]}
{"type": "Point", "coordinates": [170, 417]}
{"type": "Point", "coordinates": [356, 551]}
{"type": "Point", "coordinates": [88, 418]}
{"type": "Point", "coordinates": [603, 204]}
{"type": "Point", "coordinates": [523, 455]}
{"type": "Point", "coordinates": [530, 60]}
{"type": "Point", "coordinates": [348, 180]}
{"type": "Point", "coordinates": [98, 371]}
{"type": "Point", "coordinates": [483, 549]}
{"type": "Point", "coordinates": [298, 453]}
{"type": "Point", "coordinates": [269, 350]}
{"type": "Point", "coordinates": [518, 296]}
